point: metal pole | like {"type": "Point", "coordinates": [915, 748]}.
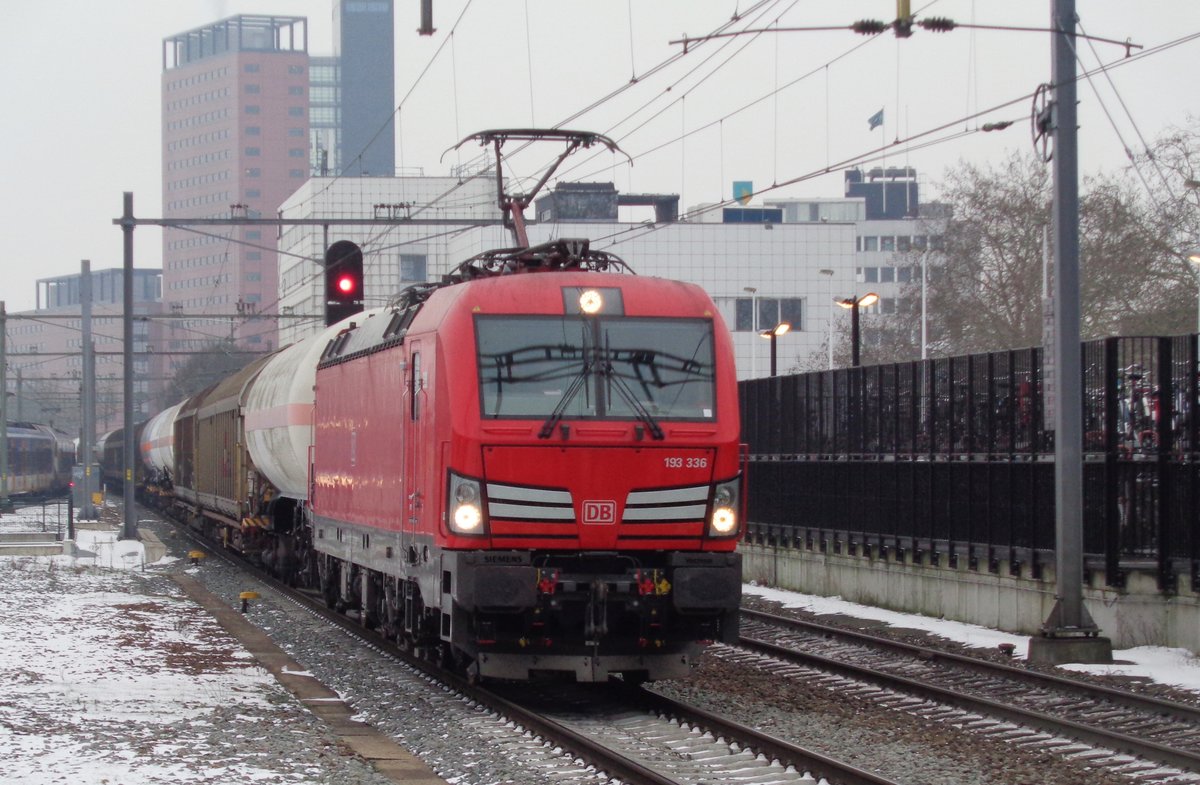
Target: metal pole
{"type": "Point", "coordinates": [1069, 620]}
{"type": "Point", "coordinates": [773, 337]}
{"type": "Point", "coordinates": [129, 530]}
{"type": "Point", "coordinates": [754, 329]}
{"type": "Point", "coordinates": [20, 394]}
{"type": "Point", "coordinates": [924, 311]}
{"type": "Point", "coordinates": [3, 406]}
{"type": "Point", "coordinates": [854, 337]}
{"type": "Point", "coordinates": [829, 275]}
{"type": "Point", "coordinates": [88, 434]}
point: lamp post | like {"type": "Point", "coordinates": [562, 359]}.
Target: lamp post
{"type": "Point", "coordinates": [829, 275]}
{"type": "Point", "coordinates": [753, 292]}
{"type": "Point", "coordinates": [772, 334]}
{"type": "Point", "coordinates": [855, 303]}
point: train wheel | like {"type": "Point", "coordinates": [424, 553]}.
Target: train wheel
{"type": "Point", "coordinates": [330, 580]}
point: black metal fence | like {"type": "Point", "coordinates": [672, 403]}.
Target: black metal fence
{"type": "Point", "coordinates": [953, 459]}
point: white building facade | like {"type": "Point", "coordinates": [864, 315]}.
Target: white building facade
{"type": "Point", "coordinates": [758, 273]}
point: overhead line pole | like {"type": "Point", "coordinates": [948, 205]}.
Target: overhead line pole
{"type": "Point", "coordinates": [1068, 634]}
{"type": "Point", "coordinates": [88, 434]}
{"type": "Point", "coordinates": [129, 530]}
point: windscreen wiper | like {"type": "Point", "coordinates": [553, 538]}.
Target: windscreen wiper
{"type": "Point", "coordinates": [568, 396]}
{"type": "Point", "coordinates": [641, 411]}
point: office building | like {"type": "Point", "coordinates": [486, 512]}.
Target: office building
{"type": "Point", "coordinates": [364, 50]}
{"type": "Point", "coordinates": [235, 109]}
{"type": "Point", "coordinates": [45, 351]}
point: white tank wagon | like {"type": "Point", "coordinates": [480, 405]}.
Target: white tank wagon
{"type": "Point", "coordinates": [279, 410]}
{"type": "Point", "coordinates": [158, 447]}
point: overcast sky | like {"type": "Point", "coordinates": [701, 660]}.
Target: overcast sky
{"type": "Point", "coordinates": [82, 117]}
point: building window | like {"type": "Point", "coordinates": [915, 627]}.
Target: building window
{"type": "Point", "coordinates": [295, 69]}
{"type": "Point", "coordinates": [412, 267]}
{"type": "Point", "coordinates": [791, 310]}
{"type": "Point", "coordinates": [887, 243]}
{"type": "Point", "coordinates": [296, 90]}
{"type": "Point", "coordinates": [296, 173]}
{"type": "Point", "coordinates": [252, 151]}
{"type": "Point", "coordinates": [870, 243]}
{"type": "Point", "coordinates": [295, 111]}
{"type": "Point", "coordinates": [297, 152]}
{"type": "Point", "coordinates": [253, 130]}
{"type": "Point", "coordinates": [919, 242]}
{"type": "Point", "coordinates": [887, 274]}
{"type": "Point", "coordinates": [253, 89]}
{"type": "Point", "coordinates": [252, 68]}
{"type": "Point", "coordinates": [254, 172]}
{"type": "Point", "coordinates": [296, 132]}
{"type": "Point", "coordinates": [253, 193]}
{"type": "Point", "coordinates": [771, 311]}
{"type": "Point", "coordinates": [903, 243]}
{"type": "Point", "coordinates": [253, 109]}
{"type": "Point", "coordinates": [254, 256]}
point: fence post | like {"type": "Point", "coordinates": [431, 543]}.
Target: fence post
{"type": "Point", "coordinates": [1112, 512]}
{"type": "Point", "coordinates": [1167, 580]}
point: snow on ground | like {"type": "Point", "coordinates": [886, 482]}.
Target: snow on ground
{"type": "Point", "coordinates": [109, 679]}
{"type": "Point", "coordinates": [110, 676]}
{"type": "Point", "coordinates": [1177, 667]}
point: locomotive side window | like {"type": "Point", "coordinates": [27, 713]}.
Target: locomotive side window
{"type": "Point", "coordinates": [615, 367]}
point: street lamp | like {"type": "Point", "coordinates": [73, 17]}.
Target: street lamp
{"type": "Point", "coordinates": [1194, 258]}
{"type": "Point", "coordinates": [753, 292]}
{"type": "Point", "coordinates": [772, 334]}
{"type": "Point", "coordinates": [829, 275]}
{"type": "Point", "coordinates": [854, 303]}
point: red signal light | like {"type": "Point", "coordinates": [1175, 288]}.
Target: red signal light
{"type": "Point", "coordinates": [345, 284]}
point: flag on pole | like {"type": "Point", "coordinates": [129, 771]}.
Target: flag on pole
{"type": "Point", "coordinates": [875, 120]}
{"type": "Point", "coordinates": [743, 190]}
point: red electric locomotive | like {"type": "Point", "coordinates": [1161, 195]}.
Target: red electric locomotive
{"type": "Point", "coordinates": [537, 471]}
{"type": "Point", "coordinates": [535, 468]}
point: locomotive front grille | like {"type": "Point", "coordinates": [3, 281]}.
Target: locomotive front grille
{"type": "Point", "coordinates": [668, 505]}
{"type": "Point", "coordinates": [521, 502]}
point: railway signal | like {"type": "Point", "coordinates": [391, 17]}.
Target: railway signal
{"type": "Point", "coordinates": [343, 281]}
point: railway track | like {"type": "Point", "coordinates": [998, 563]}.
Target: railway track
{"type": "Point", "coordinates": [630, 733]}
{"type": "Point", "coordinates": [1066, 715]}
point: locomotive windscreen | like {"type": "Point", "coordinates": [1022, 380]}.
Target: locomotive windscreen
{"type": "Point", "coordinates": [596, 368]}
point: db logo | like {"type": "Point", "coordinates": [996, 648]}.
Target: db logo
{"type": "Point", "coordinates": [600, 512]}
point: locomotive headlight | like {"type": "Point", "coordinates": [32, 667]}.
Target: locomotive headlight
{"type": "Point", "coordinates": [590, 302]}
{"type": "Point", "coordinates": [467, 518]}
{"type": "Point", "coordinates": [723, 521]}
{"type": "Point", "coordinates": [466, 492]}
{"type": "Point", "coordinates": [464, 506]}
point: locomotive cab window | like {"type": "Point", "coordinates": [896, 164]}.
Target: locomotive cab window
{"type": "Point", "coordinates": [607, 367]}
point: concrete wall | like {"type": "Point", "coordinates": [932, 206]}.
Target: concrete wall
{"type": "Point", "coordinates": [1136, 615]}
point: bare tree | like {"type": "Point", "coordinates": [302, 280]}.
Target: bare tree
{"type": "Point", "coordinates": [209, 366]}
{"type": "Point", "coordinates": [985, 290]}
